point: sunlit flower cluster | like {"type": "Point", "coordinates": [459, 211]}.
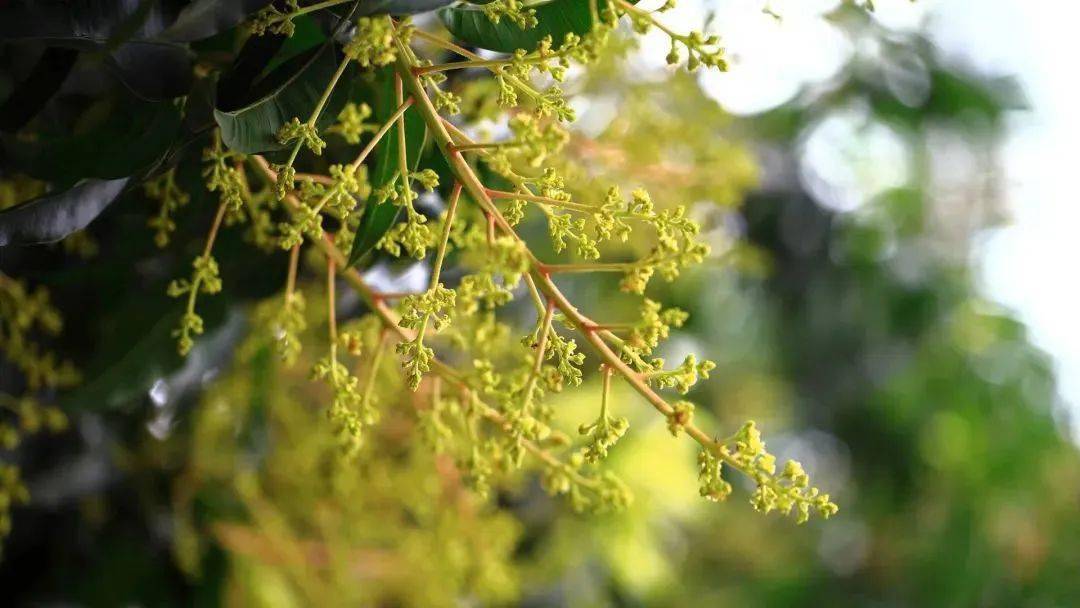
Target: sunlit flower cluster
{"type": "Point", "coordinates": [485, 394]}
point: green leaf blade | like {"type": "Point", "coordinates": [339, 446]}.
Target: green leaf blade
{"type": "Point", "coordinates": [134, 136]}
{"type": "Point", "coordinates": [557, 18]}
{"type": "Point", "coordinates": [290, 91]}
{"type": "Point", "coordinates": [378, 218]}
{"type": "Point", "coordinates": [53, 216]}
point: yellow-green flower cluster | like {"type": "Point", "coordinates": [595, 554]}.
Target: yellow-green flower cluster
{"type": "Point", "coordinates": [680, 417]}
{"type": "Point", "coordinates": [535, 139]}
{"type": "Point", "coordinates": [700, 49]}
{"type": "Point", "coordinates": [351, 122]}
{"type": "Point", "coordinates": [350, 412]}
{"type": "Point", "coordinates": [684, 377]}
{"type": "Point", "coordinates": [602, 434]}
{"type": "Point", "coordinates": [568, 362]}
{"type": "Point", "coordinates": [373, 43]}
{"type": "Point", "coordinates": [32, 417]}
{"type": "Point", "coordinates": [499, 267]}
{"type": "Point", "coordinates": [515, 11]}
{"type": "Point", "coordinates": [205, 278]}
{"type": "Point", "coordinates": [170, 198]}
{"type": "Point", "coordinates": [497, 411]}
{"type": "Point", "coordinates": [25, 316]}
{"type": "Point", "coordinates": [413, 236]}
{"type": "Point", "coordinates": [645, 335]}
{"type": "Point", "coordinates": [303, 133]}
{"type": "Point", "coordinates": [677, 246]}
{"type": "Point", "coordinates": [431, 308]}
{"type": "Point", "coordinates": [22, 314]}
{"type": "Point", "coordinates": [224, 177]}
{"type": "Point", "coordinates": [598, 494]}
{"type": "Point", "coordinates": [435, 426]}
{"type": "Point", "coordinates": [787, 492]}
{"type": "Point", "coordinates": [550, 102]}
{"type": "Point", "coordinates": [712, 485]}
{"type": "Point", "coordinates": [349, 184]}
{"type": "Point", "coordinates": [272, 20]}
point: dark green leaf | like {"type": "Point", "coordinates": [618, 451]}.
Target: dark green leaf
{"type": "Point", "coordinates": [249, 65]}
{"type": "Point", "coordinates": [205, 18]}
{"type": "Point", "coordinates": [37, 88]}
{"type": "Point", "coordinates": [137, 39]}
{"type": "Point", "coordinates": [378, 218]}
{"type": "Point", "coordinates": [399, 7]}
{"type": "Point", "coordinates": [122, 20]}
{"type": "Point", "coordinates": [250, 124]}
{"type": "Point", "coordinates": [557, 18]}
{"type": "Point", "coordinates": [54, 216]}
{"type": "Point", "coordinates": [132, 136]}
{"type": "Point", "coordinates": [154, 71]}
{"type": "Point", "coordinates": [150, 358]}
{"type": "Point", "coordinates": [306, 36]}
{"type": "Point", "coordinates": [88, 20]}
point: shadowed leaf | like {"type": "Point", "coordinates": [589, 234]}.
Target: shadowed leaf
{"type": "Point", "coordinates": [53, 216]}
{"type": "Point", "coordinates": [133, 136]}
{"type": "Point", "coordinates": [102, 21]}
{"type": "Point", "coordinates": [378, 218]}
{"type": "Point", "coordinates": [36, 89]}
{"type": "Point", "coordinates": [250, 124]}
{"type": "Point", "coordinates": [154, 71]}
{"type": "Point", "coordinates": [205, 18]}
{"type": "Point", "coordinates": [557, 18]}
{"type": "Point", "coordinates": [399, 7]}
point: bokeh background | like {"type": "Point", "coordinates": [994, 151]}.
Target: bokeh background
{"type": "Point", "coordinates": [893, 305]}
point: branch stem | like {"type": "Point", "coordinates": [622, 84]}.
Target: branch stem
{"type": "Point", "coordinates": [207, 249]}
{"type": "Point", "coordinates": [390, 321]}
{"type": "Point", "coordinates": [331, 307]}
{"type": "Point", "coordinates": [377, 137]}
{"type": "Point", "coordinates": [318, 6]}
{"type": "Point", "coordinates": [290, 282]}
{"type": "Point", "coordinates": [476, 190]}
{"type": "Point", "coordinates": [589, 267]}
{"type": "Point", "coordinates": [373, 371]}
{"type": "Point", "coordinates": [440, 254]}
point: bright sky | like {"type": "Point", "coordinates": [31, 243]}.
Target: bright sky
{"type": "Point", "coordinates": [1026, 264]}
{"type": "Point", "coordinates": [1029, 264]}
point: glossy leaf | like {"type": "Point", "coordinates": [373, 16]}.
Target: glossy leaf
{"type": "Point", "coordinates": [101, 21]}
{"type": "Point", "coordinates": [154, 71]}
{"type": "Point", "coordinates": [205, 18]}
{"type": "Point", "coordinates": [137, 39]}
{"type": "Point", "coordinates": [377, 219]}
{"type": "Point", "coordinates": [307, 35]}
{"type": "Point", "coordinates": [399, 7]}
{"type": "Point", "coordinates": [248, 66]}
{"type": "Point", "coordinates": [36, 89]}
{"type": "Point", "coordinates": [88, 21]}
{"type": "Point", "coordinates": [133, 136]}
{"type": "Point", "coordinates": [250, 124]}
{"type": "Point", "coordinates": [557, 18]}
{"type": "Point", "coordinates": [53, 216]}
{"type": "Point", "coordinates": [123, 381]}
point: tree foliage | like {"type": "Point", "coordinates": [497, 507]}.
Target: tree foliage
{"type": "Point", "coordinates": [378, 271]}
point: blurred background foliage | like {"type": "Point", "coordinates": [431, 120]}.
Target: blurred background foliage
{"type": "Point", "coordinates": [850, 329]}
